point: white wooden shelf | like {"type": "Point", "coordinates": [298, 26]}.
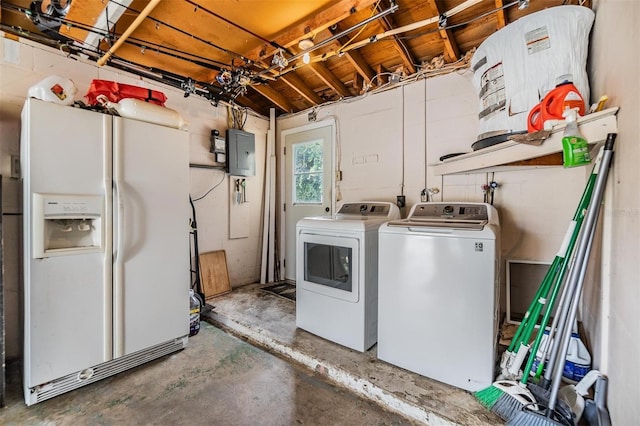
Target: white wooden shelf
{"type": "Point", "coordinates": [594, 127]}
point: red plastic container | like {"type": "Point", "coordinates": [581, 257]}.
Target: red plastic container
{"type": "Point", "coordinates": [565, 95]}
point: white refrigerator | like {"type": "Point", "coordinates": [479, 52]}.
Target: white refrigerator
{"type": "Point", "coordinates": [106, 245]}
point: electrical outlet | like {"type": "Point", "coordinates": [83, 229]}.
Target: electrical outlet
{"type": "Point", "coordinates": [400, 201]}
{"type": "Point", "coordinates": [15, 167]}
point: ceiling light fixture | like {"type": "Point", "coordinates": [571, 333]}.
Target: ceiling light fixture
{"type": "Point", "coordinates": [306, 44]}
{"type": "Point", "coordinates": [324, 42]}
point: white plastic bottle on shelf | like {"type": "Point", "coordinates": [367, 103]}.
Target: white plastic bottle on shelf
{"type": "Point", "coordinates": [194, 313]}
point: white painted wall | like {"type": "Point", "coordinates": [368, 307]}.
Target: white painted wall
{"type": "Point", "coordinates": [614, 67]}
{"type": "Point", "coordinates": [438, 116]}
{"type": "Point", "coordinates": [22, 64]}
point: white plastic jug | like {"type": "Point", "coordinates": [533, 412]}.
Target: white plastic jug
{"type": "Point", "coordinates": [54, 89]}
{"type": "Point", "coordinates": [145, 111]}
{"type": "Point", "coordinates": [578, 361]}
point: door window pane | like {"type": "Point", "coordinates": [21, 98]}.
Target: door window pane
{"type": "Point", "coordinates": [307, 172]}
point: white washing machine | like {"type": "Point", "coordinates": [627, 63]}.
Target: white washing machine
{"type": "Point", "coordinates": [337, 273]}
{"type": "Point", "coordinates": [438, 292]}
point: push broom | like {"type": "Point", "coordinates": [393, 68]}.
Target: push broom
{"type": "Point", "coordinates": [505, 397]}
{"type": "Point", "coordinates": [530, 416]}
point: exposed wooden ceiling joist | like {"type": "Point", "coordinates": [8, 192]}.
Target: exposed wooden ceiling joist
{"type": "Point", "coordinates": [502, 19]}
{"type": "Point", "coordinates": [355, 58]}
{"type": "Point", "coordinates": [296, 83]}
{"type": "Point", "coordinates": [206, 41]}
{"type": "Point", "coordinates": [299, 86]}
{"type": "Point", "coordinates": [310, 27]}
{"type": "Point", "coordinates": [405, 55]}
{"type": "Point", "coordinates": [451, 51]}
{"type": "Point", "coordinates": [248, 103]}
{"type": "Point", "coordinates": [330, 79]}
{"type": "Point", "coordinates": [274, 96]}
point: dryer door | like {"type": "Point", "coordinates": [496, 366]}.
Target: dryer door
{"type": "Point", "coordinates": [328, 265]}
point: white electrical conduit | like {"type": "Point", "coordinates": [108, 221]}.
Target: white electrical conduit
{"type": "Point", "coordinates": [145, 12]}
{"type": "Point", "coordinates": [413, 26]}
{"type": "Point", "coordinates": [361, 43]}
{"type": "Point", "coordinates": [268, 215]}
{"type": "Point", "coordinates": [382, 14]}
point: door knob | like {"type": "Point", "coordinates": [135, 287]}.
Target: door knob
{"type": "Point", "coordinates": [326, 209]}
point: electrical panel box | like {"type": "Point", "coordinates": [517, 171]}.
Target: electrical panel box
{"type": "Point", "coordinates": [241, 148]}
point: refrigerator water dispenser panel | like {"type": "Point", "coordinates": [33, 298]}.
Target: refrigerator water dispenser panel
{"type": "Point", "coordinates": [66, 224]}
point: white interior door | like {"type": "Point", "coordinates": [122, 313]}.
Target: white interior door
{"type": "Point", "coordinates": [308, 181]}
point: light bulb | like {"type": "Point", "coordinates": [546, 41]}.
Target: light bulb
{"type": "Point", "coordinates": [306, 58]}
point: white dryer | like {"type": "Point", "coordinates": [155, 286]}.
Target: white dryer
{"type": "Point", "coordinates": [337, 273]}
{"type": "Point", "coordinates": [438, 292]}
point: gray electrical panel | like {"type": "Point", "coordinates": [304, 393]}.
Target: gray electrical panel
{"type": "Point", "coordinates": [241, 149]}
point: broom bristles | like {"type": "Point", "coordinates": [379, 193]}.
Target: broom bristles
{"type": "Point", "coordinates": [489, 396]}
{"type": "Point", "coordinates": [507, 407]}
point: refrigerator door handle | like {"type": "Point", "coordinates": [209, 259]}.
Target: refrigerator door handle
{"type": "Point", "coordinates": [107, 168]}
{"type": "Point", "coordinates": [118, 266]}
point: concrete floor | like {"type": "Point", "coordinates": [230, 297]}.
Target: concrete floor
{"type": "Point", "coordinates": [269, 321]}
{"type": "Point", "coordinates": [217, 380]}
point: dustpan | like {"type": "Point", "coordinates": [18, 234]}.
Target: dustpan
{"type": "Point", "coordinates": [595, 411]}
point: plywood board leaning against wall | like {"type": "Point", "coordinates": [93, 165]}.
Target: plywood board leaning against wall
{"type": "Point", "coordinates": [214, 274]}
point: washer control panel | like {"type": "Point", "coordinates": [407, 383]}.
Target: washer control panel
{"type": "Point", "coordinates": [366, 209]}
{"type": "Point", "coordinates": [450, 211]}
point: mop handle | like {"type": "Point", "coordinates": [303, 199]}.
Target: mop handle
{"type": "Point", "coordinates": [565, 337]}
{"type": "Point", "coordinates": [563, 308]}
{"type": "Point", "coordinates": [547, 347]}
{"type": "Point", "coordinates": [577, 224]}
{"type": "Point", "coordinates": [560, 260]}
{"type": "Point", "coordinates": [577, 274]}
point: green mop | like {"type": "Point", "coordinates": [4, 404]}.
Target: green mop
{"type": "Point", "coordinates": [505, 397]}
{"type": "Point", "coordinates": [532, 416]}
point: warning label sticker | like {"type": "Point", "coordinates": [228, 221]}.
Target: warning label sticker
{"type": "Point", "coordinates": [537, 40]}
{"type": "Point", "coordinates": [492, 93]}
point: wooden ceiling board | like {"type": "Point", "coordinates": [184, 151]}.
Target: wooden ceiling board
{"type": "Point", "coordinates": [316, 22]}
{"type": "Point", "coordinates": [207, 27]}
{"type": "Point", "coordinates": [265, 17]}
{"type": "Point", "coordinates": [86, 13]}
{"type": "Point", "coordinates": [206, 35]}
{"type": "Point", "coordinates": [426, 47]}
{"type": "Point", "coordinates": [152, 58]}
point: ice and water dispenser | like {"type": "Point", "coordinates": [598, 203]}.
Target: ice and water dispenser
{"type": "Point", "coordinates": [66, 224]}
